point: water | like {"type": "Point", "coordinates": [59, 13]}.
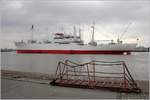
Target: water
{"type": "Point", "coordinates": [138, 63]}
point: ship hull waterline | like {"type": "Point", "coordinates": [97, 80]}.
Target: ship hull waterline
{"type": "Point", "coordinates": [115, 52]}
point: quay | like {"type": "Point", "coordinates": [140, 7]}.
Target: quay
{"type": "Point", "coordinates": [19, 86]}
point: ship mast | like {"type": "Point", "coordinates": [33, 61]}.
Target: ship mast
{"type": "Point", "coordinates": [74, 32]}
{"type": "Point", "coordinates": [32, 27]}
{"type": "Point", "coordinates": [93, 43]}
{"type": "Point", "coordinates": [93, 29]}
{"type": "Point", "coordinates": [80, 33]}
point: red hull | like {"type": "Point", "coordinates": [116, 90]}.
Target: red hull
{"type": "Point", "coordinates": [74, 52]}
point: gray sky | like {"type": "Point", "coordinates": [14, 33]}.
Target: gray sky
{"type": "Point", "coordinates": [111, 17]}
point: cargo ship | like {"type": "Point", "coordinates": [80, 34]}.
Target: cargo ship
{"type": "Point", "coordinates": [72, 44]}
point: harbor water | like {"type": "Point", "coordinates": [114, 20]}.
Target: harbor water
{"type": "Point", "coordinates": [138, 63]}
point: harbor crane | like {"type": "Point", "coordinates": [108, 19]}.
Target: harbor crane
{"type": "Point", "coordinates": [121, 36]}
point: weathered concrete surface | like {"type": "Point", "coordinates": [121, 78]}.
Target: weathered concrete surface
{"type": "Point", "coordinates": [18, 74]}
{"type": "Point", "coordinates": [33, 89]}
{"type": "Point", "coordinates": [134, 96]}
{"type": "Point", "coordinates": [33, 86]}
{"type": "Point", "coordinates": [13, 89]}
{"type": "Point", "coordinates": [144, 85]}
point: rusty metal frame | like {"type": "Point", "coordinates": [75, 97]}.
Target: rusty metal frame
{"type": "Point", "coordinates": [67, 75]}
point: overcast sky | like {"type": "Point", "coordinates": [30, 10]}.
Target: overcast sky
{"type": "Point", "coordinates": [111, 18]}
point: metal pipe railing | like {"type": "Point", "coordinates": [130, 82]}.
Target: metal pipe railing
{"type": "Point", "coordinates": [69, 69]}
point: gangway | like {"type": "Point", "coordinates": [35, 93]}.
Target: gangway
{"type": "Point", "coordinates": [92, 75]}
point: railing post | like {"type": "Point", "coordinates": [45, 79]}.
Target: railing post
{"type": "Point", "coordinates": [93, 70]}
{"type": "Point", "coordinates": [66, 62]}
{"type": "Point", "coordinates": [57, 70]}
{"type": "Point", "coordinates": [124, 75]}
{"type": "Point", "coordinates": [88, 74]}
{"type": "Point", "coordinates": [60, 70]}
{"type": "Point", "coordinates": [130, 75]}
{"type": "Point", "coordinates": [63, 69]}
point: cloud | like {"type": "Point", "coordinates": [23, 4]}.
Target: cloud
{"type": "Point", "coordinates": [111, 17]}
